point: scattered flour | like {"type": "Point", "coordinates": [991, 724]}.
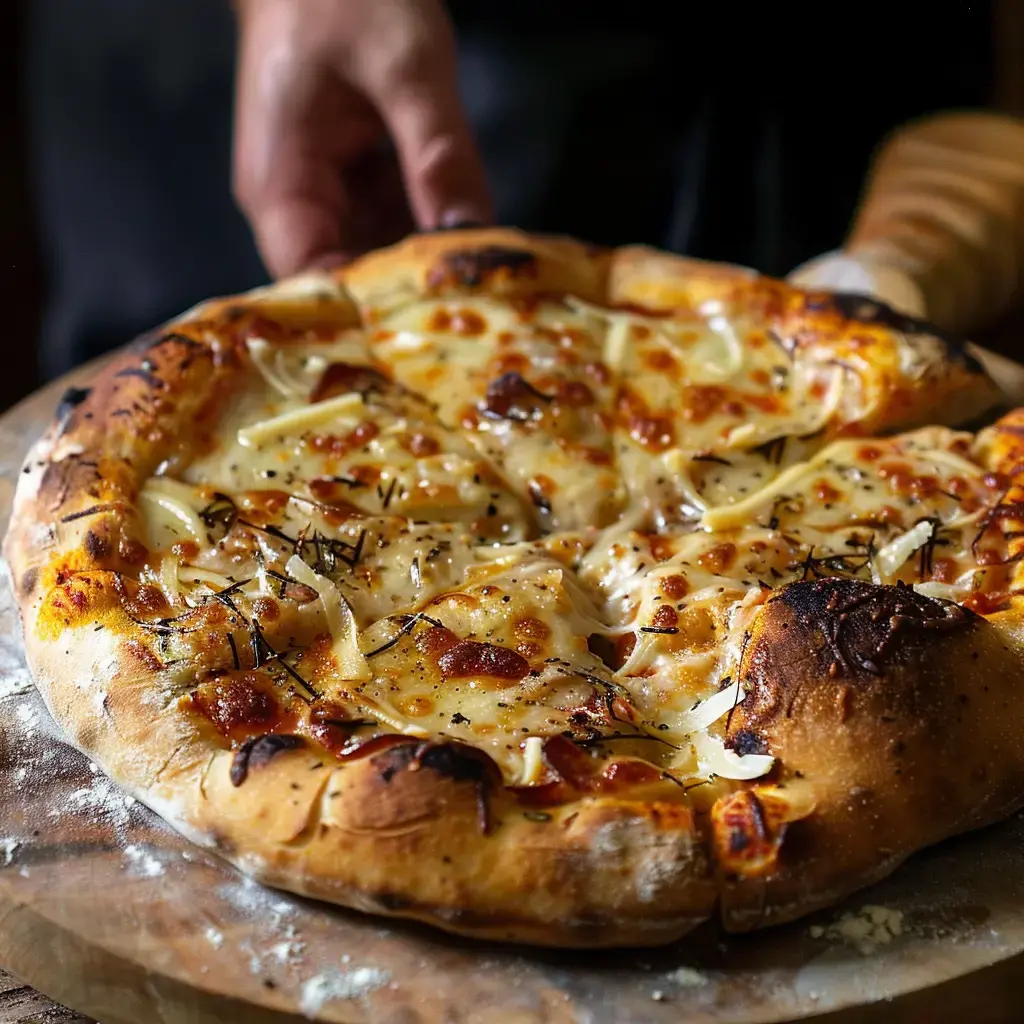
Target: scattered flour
{"type": "Point", "coordinates": [686, 977]}
{"type": "Point", "coordinates": [354, 984]}
{"type": "Point", "coordinates": [101, 799]}
{"type": "Point", "coordinates": [142, 862]}
{"type": "Point", "coordinates": [866, 930]}
{"type": "Point", "coordinates": [27, 715]}
{"type": "Point", "coordinates": [214, 937]}
{"type": "Point", "coordinates": [288, 952]}
{"type": "Point", "coordinates": [7, 848]}
{"type": "Point", "coordinates": [15, 684]}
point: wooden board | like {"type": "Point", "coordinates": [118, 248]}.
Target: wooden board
{"type": "Point", "coordinates": [106, 910]}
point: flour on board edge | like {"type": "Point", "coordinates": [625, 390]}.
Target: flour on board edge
{"type": "Point", "coordinates": [325, 988]}
{"type": "Point", "coordinates": [865, 930]}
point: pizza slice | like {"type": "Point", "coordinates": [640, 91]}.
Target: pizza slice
{"type": "Point", "coordinates": [521, 372]}
{"type": "Point", "coordinates": [726, 377]}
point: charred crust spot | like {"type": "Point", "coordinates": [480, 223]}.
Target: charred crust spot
{"type": "Point", "coordinates": [28, 581]}
{"type": "Point", "coordinates": [96, 547]}
{"type": "Point", "coordinates": [818, 637]}
{"type": "Point", "coordinates": [743, 741]}
{"type": "Point", "coordinates": [393, 760]}
{"type": "Point", "coordinates": [172, 338]}
{"type": "Point", "coordinates": [150, 378]}
{"type": "Point", "coordinates": [455, 761]}
{"type": "Point", "coordinates": [71, 399]}
{"type": "Point", "coordinates": [390, 901]}
{"type": "Point", "coordinates": [511, 397]}
{"type": "Point", "coordinates": [866, 310]}
{"type": "Point", "coordinates": [470, 268]}
{"type": "Point", "coordinates": [748, 830]}
{"type": "Point", "coordinates": [258, 751]}
{"type": "Point", "coordinates": [864, 624]}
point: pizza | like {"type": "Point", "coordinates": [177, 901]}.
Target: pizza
{"type": "Point", "coordinates": [538, 591]}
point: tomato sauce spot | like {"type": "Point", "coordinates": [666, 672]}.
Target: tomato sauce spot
{"type": "Point", "coordinates": [675, 587]}
{"type": "Point", "coordinates": [345, 378]}
{"type": "Point", "coordinates": [717, 559]}
{"type": "Point", "coordinates": [237, 703]}
{"type": "Point", "coordinates": [335, 445]}
{"type": "Point", "coordinates": [665, 617]}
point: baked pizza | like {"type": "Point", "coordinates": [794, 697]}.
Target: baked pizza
{"type": "Point", "coordinates": [538, 591]}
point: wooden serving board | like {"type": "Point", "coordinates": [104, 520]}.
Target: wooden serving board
{"type": "Point", "coordinates": [107, 911]}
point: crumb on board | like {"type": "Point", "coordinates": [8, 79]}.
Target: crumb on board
{"type": "Point", "coordinates": [866, 930]}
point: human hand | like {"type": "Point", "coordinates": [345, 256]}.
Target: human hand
{"type": "Point", "coordinates": [323, 87]}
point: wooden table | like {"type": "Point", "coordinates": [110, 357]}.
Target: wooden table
{"type": "Point", "coordinates": [20, 1004]}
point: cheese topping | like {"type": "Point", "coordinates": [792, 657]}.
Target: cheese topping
{"type": "Point", "coordinates": [514, 523]}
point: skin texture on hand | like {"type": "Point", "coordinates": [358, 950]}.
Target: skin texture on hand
{"type": "Point", "coordinates": [349, 130]}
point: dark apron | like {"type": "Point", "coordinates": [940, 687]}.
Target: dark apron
{"type": "Point", "coordinates": [742, 137]}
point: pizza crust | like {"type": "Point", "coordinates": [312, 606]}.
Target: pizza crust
{"type": "Point", "coordinates": [401, 832]}
{"type": "Point", "coordinates": [385, 834]}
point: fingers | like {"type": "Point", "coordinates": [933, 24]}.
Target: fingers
{"type": "Point", "coordinates": [285, 175]}
{"type": "Point", "coordinates": [319, 85]}
{"type": "Point", "coordinates": [443, 173]}
{"type": "Point", "coordinates": [415, 90]}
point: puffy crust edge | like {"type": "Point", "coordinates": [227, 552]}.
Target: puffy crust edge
{"type": "Point", "coordinates": [381, 834]}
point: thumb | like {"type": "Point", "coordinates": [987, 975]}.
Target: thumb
{"type": "Point", "coordinates": [441, 166]}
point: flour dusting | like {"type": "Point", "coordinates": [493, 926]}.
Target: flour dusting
{"type": "Point", "coordinates": [686, 977]}
{"type": "Point", "coordinates": [354, 984]}
{"type": "Point", "coordinates": [7, 849]}
{"type": "Point", "coordinates": [101, 799]}
{"type": "Point", "coordinates": [15, 684]}
{"type": "Point", "coordinates": [288, 952]}
{"type": "Point", "coordinates": [866, 930]}
{"type": "Point", "coordinates": [143, 862]}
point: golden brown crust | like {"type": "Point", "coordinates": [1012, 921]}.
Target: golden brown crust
{"type": "Point", "coordinates": [424, 830]}
{"type": "Point", "coordinates": [894, 714]}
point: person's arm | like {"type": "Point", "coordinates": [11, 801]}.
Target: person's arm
{"type": "Point", "coordinates": [329, 94]}
{"type": "Point", "coordinates": [940, 229]}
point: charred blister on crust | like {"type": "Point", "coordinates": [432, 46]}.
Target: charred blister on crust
{"type": "Point", "coordinates": [29, 580]}
{"type": "Point", "coordinates": [146, 375]}
{"type": "Point", "coordinates": [71, 399]}
{"type": "Point", "coordinates": [259, 751]}
{"type": "Point", "coordinates": [748, 830]}
{"type": "Point", "coordinates": [834, 633]}
{"type": "Point", "coordinates": [72, 476]}
{"type": "Point", "coordinates": [471, 268]}
{"type": "Point", "coordinates": [458, 762]}
{"type": "Point", "coordinates": [866, 310]}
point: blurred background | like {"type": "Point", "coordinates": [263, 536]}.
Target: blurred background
{"type": "Point", "coordinates": [115, 116]}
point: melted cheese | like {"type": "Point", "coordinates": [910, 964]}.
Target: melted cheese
{"type": "Point", "coordinates": [559, 457]}
{"type": "Point", "coordinates": [344, 408]}
{"type": "Point", "coordinates": [341, 623]}
{"type": "Point", "coordinates": [406, 527]}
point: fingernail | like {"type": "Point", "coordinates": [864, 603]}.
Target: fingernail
{"type": "Point", "coordinates": [329, 261]}
{"type": "Point", "coordinates": [459, 218]}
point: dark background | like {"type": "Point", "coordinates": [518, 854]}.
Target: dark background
{"type": "Point", "coordinates": [21, 284]}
